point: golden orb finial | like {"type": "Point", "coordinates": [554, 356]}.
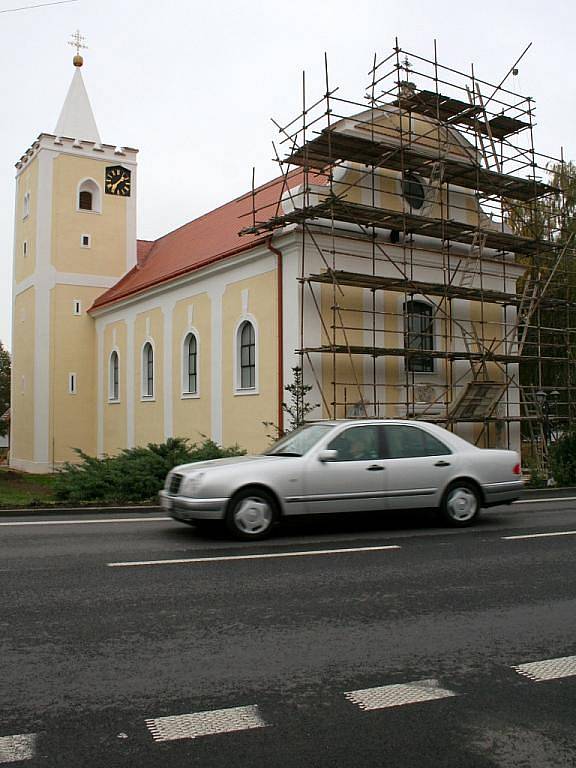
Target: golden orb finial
{"type": "Point", "coordinates": [78, 42]}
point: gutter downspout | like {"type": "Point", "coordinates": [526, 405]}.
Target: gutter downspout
{"type": "Point", "coordinates": [280, 320]}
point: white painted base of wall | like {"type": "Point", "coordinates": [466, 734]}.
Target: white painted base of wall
{"type": "Point", "coordinates": [34, 467]}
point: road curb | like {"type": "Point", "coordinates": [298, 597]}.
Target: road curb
{"type": "Point", "coordinates": [528, 493]}
{"type": "Point", "coordinates": [88, 510]}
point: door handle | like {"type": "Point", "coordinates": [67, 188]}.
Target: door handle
{"type": "Point", "coordinates": [374, 468]}
{"type": "Point", "coordinates": [442, 464]}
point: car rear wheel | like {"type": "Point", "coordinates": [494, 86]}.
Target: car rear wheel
{"type": "Point", "coordinates": [461, 504]}
{"type": "Point", "coordinates": [251, 514]}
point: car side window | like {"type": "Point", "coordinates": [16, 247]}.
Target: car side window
{"type": "Point", "coordinates": [356, 444]}
{"type": "Point", "coordinates": [403, 442]}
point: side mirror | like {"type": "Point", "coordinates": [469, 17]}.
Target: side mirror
{"type": "Point", "coordinates": [327, 455]}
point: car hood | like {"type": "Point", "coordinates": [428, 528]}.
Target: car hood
{"type": "Point", "coordinates": [216, 463]}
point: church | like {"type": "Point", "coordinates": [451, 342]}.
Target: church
{"type": "Point", "coordinates": [382, 276]}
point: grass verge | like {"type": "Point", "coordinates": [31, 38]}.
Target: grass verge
{"type": "Point", "coordinates": [20, 489]}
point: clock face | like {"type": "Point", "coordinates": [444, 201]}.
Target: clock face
{"type": "Point", "coordinates": [117, 181]}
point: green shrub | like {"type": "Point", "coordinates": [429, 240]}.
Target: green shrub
{"type": "Point", "coordinates": [563, 460]}
{"type": "Point", "coordinates": [135, 474]}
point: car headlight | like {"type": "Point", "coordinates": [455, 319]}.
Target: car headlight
{"type": "Point", "coordinates": [191, 484]}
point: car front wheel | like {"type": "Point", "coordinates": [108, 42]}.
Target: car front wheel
{"type": "Point", "coordinates": [251, 514]}
{"type": "Point", "coordinates": [460, 505]}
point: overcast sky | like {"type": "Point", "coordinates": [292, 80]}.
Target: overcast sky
{"type": "Point", "coordinates": [194, 85]}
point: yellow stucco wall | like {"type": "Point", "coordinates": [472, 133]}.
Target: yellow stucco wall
{"type": "Point", "coordinates": [419, 130]}
{"type": "Point", "coordinates": [345, 373]}
{"type": "Point", "coordinates": [114, 413]}
{"type": "Point", "coordinates": [107, 254]}
{"type": "Point", "coordinates": [487, 321]}
{"type": "Point", "coordinates": [72, 417]}
{"type": "Point", "coordinates": [25, 228]}
{"type": "Point", "coordinates": [242, 415]}
{"type": "Point", "coordinates": [192, 414]}
{"type": "Point", "coordinates": [23, 345]}
{"type": "Point", "coordinates": [149, 413]}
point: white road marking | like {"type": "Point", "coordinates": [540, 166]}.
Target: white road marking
{"type": "Point", "coordinates": [264, 556]}
{"type": "Point", "coordinates": [205, 723]}
{"type": "Point", "coordinates": [539, 535]}
{"type": "Point", "coordinates": [544, 501]}
{"type": "Point", "coordinates": [87, 522]}
{"type": "Point", "coordinates": [16, 748]}
{"type": "Point", "coordinates": [398, 695]}
{"type": "Point", "coordinates": [550, 669]}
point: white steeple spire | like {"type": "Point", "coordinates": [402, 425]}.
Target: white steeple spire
{"type": "Point", "coordinates": [76, 120]}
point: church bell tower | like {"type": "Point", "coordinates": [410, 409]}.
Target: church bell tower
{"type": "Point", "coordinates": [75, 236]}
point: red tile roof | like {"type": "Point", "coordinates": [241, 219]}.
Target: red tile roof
{"type": "Point", "coordinates": [202, 241]}
{"type": "Point", "coordinates": [143, 248]}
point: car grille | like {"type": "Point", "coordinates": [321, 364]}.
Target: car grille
{"type": "Point", "coordinates": [175, 482]}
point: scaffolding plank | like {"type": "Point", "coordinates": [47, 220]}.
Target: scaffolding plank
{"type": "Point", "coordinates": [333, 145]}
{"type": "Point", "coordinates": [442, 229]}
{"type": "Point", "coordinates": [342, 349]}
{"type": "Point", "coordinates": [448, 109]}
{"type": "Point", "coordinates": [375, 282]}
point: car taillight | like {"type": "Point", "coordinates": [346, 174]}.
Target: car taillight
{"type": "Point", "coordinates": [517, 469]}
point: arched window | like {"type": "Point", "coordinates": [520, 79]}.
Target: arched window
{"type": "Point", "coordinates": [419, 334]}
{"type": "Point", "coordinates": [88, 196]}
{"type": "Point", "coordinates": [113, 388]}
{"type": "Point", "coordinates": [247, 356]}
{"type": "Point", "coordinates": [85, 200]}
{"type": "Point", "coordinates": [190, 382]}
{"type": "Point", "coordinates": [147, 370]}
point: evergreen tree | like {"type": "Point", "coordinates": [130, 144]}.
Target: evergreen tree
{"type": "Point", "coordinates": [4, 386]}
{"type": "Point", "coordinates": [553, 284]}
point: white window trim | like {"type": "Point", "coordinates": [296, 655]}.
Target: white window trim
{"type": "Point", "coordinates": [96, 203]}
{"type": "Point", "coordinates": [26, 205]}
{"type": "Point", "coordinates": [185, 395]}
{"type": "Point", "coordinates": [76, 303]}
{"type": "Point", "coordinates": [238, 390]}
{"type": "Point", "coordinates": [72, 383]}
{"type": "Point", "coordinates": [82, 245]}
{"type": "Point", "coordinates": [435, 330]}
{"type": "Point", "coordinates": [111, 398]}
{"type": "Point", "coordinates": [144, 398]}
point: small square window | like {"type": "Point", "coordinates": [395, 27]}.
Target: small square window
{"type": "Point", "coordinates": [85, 241]}
{"type": "Point", "coordinates": [76, 307]}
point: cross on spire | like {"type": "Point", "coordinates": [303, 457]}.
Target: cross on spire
{"type": "Point", "coordinates": [77, 41]}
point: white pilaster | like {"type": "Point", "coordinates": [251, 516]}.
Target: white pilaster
{"type": "Point", "coordinates": [130, 378]}
{"type": "Point", "coordinates": [100, 393]}
{"type": "Point", "coordinates": [216, 295]}
{"type": "Point", "coordinates": [42, 373]}
{"type": "Point", "coordinates": [168, 313]}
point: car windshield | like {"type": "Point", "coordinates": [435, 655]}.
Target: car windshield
{"type": "Point", "coordinates": [300, 441]}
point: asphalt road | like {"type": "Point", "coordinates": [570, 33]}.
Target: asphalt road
{"type": "Point", "coordinates": [408, 649]}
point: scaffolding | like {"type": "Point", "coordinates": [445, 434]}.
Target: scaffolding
{"type": "Point", "coordinates": [430, 235]}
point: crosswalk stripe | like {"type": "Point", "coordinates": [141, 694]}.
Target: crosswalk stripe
{"type": "Point", "coordinates": [205, 723]}
{"type": "Point", "coordinates": [398, 695]}
{"type": "Point", "coordinates": [549, 669]}
{"type": "Point", "coordinates": [18, 747]}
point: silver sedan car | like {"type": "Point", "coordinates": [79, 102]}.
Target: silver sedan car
{"type": "Point", "coordinates": [345, 466]}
